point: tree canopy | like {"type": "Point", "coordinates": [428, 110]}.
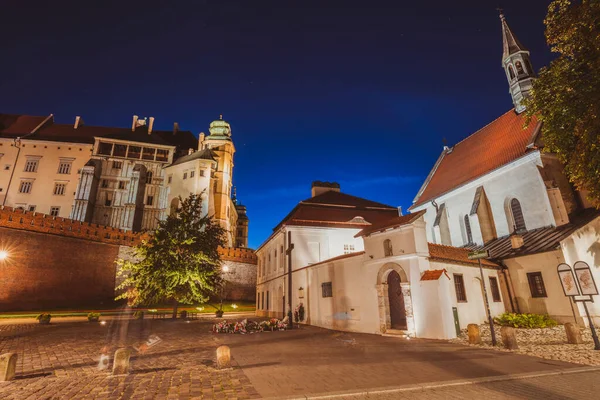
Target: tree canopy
{"type": "Point", "coordinates": [179, 262]}
{"type": "Point", "coordinates": [566, 95]}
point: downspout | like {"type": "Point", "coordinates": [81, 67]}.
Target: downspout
{"type": "Point", "coordinates": [17, 144]}
{"type": "Point", "coordinates": [510, 288]}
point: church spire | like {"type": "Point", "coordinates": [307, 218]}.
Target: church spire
{"type": "Point", "coordinates": [516, 64]}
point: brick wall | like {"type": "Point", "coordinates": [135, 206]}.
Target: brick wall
{"type": "Point", "coordinates": [45, 271]}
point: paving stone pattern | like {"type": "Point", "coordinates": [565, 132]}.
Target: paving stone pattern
{"type": "Point", "coordinates": [60, 362]}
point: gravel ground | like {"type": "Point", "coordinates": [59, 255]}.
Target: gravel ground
{"type": "Point", "coordinates": [549, 343]}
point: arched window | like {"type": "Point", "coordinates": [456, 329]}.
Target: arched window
{"type": "Point", "coordinates": [519, 67]}
{"type": "Point", "coordinates": [468, 230]}
{"type": "Point", "coordinates": [387, 248]}
{"type": "Point", "coordinates": [511, 72]}
{"type": "Point", "coordinates": [517, 214]}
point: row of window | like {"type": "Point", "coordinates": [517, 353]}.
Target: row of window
{"type": "Point", "coordinates": [54, 210]}
{"type": "Point", "coordinates": [132, 152]}
{"type": "Point", "coordinates": [461, 293]}
{"type": "Point", "coordinates": [59, 187]}
{"type": "Point", "coordinates": [260, 301]}
{"type": "Point", "coordinates": [32, 164]}
{"type": "Point", "coordinates": [264, 263]}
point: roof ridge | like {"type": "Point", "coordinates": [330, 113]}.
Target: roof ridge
{"type": "Point", "coordinates": [307, 201]}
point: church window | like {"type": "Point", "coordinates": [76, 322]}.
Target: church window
{"type": "Point", "coordinates": [517, 214]}
{"type": "Point", "coordinates": [511, 72]}
{"type": "Point", "coordinates": [459, 287]}
{"type": "Point", "coordinates": [519, 67]}
{"type": "Point", "coordinates": [59, 188]}
{"type": "Point", "coordinates": [387, 248]}
{"type": "Point", "coordinates": [495, 289]}
{"type": "Point", "coordinates": [348, 248]}
{"type": "Point", "coordinates": [536, 284]}
{"type": "Point", "coordinates": [468, 230]}
{"type": "Point", "coordinates": [326, 289]}
{"type": "Point", "coordinates": [54, 211]}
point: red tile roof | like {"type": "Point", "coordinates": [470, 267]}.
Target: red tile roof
{"type": "Point", "coordinates": [338, 210]}
{"type": "Point", "coordinates": [393, 222]}
{"type": "Point", "coordinates": [433, 274]}
{"type": "Point", "coordinates": [440, 252]}
{"type": "Point", "coordinates": [500, 142]}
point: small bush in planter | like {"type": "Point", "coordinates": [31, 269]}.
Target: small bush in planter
{"type": "Point", "coordinates": [44, 318]}
{"type": "Point", "coordinates": [93, 317]}
{"type": "Point", "coordinates": [529, 321]}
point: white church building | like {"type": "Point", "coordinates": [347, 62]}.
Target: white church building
{"type": "Point", "coordinates": [360, 266]}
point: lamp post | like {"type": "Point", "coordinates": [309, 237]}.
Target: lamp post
{"type": "Point", "coordinates": [3, 255]}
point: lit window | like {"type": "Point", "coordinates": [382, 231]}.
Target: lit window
{"type": "Point", "coordinates": [326, 289]}
{"type": "Point", "coordinates": [54, 211]}
{"type": "Point", "coordinates": [59, 189]}
{"type": "Point", "coordinates": [31, 165]}
{"type": "Point", "coordinates": [348, 248]}
{"type": "Point", "coordinates": [64, 167]}
{"type": "Point", "coordinates": [25, 187]}
{"type": "Point", "coordinates": [149, 200]}
{"type": "Point", "coordinates": [459, 287]}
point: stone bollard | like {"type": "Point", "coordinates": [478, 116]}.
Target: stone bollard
{"type": "Point", "coordinates": [509, 337]}
{"type": "Point", "coordinates": [474, 334]}
{"type": "Point", "coordinates": [121, 362]}
{"type": "Point", "coordinates": [223, 357]}
{"type": "Point", "coordinates": [8, 366]}
{"type": "Point", "coordinates": [573, 333]}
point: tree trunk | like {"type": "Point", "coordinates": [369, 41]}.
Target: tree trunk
{"type": "Point", "coordinates": [175, 304]}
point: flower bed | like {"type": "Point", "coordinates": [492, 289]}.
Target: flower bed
{"type": "Point", "coordinates": [247, 326]}
{"type": "Point", "coordinates": [548, 343]}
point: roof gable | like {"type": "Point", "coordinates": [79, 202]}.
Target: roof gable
{"type": "Point", "coordinates": [499, 143]}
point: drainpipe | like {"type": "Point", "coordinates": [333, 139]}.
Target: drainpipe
{"type": "Point", "coordinates": [17, 144]}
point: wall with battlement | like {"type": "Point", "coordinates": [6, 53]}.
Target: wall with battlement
{"type": "Point", "coordinates": [238, 254]}
{"type": "Point", "coordinates": [43, 223]}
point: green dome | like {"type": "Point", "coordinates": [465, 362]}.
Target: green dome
{"type": "Point", "coordinates": [220, 128]}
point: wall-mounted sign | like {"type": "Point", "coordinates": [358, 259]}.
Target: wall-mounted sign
{"type": "Point", "coordinates": [478, 254]}
{"type": "Point", "coordinates": [585, 279]}
{"type": "Point", "coordinates": [567, 280]}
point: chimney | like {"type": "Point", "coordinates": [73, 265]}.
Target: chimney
{"type": "Point", "coordinates": [201, 141]}
{"type": "Point", "coordinates": [190, 151]}
{"type": "Point", "coordinates": [319, 187]}
{"type": "Point", "coordinates": [516, 240]}
{"type": "Point", "coordinates": [134, 125]}
{"type": "Point", "coordinates": [175, 127]}
{"type": "Point", "coordinates": [78, 122]}
{"type": "Point", "coordinates": [150, 125]}
{"type": "Point", "coordinates": [400, 211]}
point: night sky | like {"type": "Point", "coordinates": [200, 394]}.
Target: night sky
{"type": "Point", "coordinates": [358, 92]}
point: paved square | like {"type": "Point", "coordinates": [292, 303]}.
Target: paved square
{"type": "Point", "coordinates": [59, 361]}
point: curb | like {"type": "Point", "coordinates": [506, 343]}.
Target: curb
{"type": "Point", "coordinates": [435, 385]}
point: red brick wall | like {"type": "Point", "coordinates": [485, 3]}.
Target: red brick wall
{"type": "Point", "coordinates": [46, 271]}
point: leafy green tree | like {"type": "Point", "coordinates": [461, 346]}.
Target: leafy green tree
{"type": "Point", "coordinates": [566, 95]}
{"type": "Point", "coordinates": [179, 262]}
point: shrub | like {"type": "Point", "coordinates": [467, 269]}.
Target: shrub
{"type": "Point", "coordinates": [529, 321]}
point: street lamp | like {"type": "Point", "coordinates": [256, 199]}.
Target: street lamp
{"type": "Point", "coordinates": [3, 255]}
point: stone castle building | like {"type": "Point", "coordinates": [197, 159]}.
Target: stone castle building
{"type": "Point", "coordinates": [126, 178]}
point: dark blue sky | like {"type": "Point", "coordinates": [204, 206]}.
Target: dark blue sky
{"type": "Point", "coordinates": [358, 92]}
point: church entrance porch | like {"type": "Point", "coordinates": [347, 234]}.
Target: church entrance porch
{"type": "Point", "coordinates": [396, 299]}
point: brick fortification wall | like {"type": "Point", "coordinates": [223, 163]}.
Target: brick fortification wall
{"type": "Point", "coordinates": [55, 262]}
{"type": "Point", "coordinates": [241, 274]}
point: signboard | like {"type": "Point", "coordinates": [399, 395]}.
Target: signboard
{"type": "Point", "coordinates": [585, 278]}
{"type": "Point", "coordinates": [567, 280]}
{"type": "Point", "coordinates": [475, 255]}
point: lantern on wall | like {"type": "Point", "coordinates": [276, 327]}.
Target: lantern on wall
{"type": "Point", "coordinates": [301, 292]}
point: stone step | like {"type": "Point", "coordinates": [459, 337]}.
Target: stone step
{"type": "Point", "coordinates": [396, 333]}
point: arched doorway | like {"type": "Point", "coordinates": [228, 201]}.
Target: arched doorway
{"type": "Point", "coordinates": [396, 299]}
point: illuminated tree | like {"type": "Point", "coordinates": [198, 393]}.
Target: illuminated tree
{"type": "Point", "coordinates": [566, 95]}
{"type": "Point", "coordinates": [178, 263]}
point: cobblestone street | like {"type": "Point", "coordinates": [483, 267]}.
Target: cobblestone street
{"type": "Point", "coordinates": [59, 361]}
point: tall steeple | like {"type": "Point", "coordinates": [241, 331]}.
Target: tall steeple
{"type": "Point", "coordinates": [516, 64]}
